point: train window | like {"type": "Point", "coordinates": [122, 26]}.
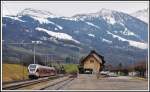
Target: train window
{"type": "Point", "coordinates": [32, 66]}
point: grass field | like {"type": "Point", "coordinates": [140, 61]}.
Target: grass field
{"type": "Point", "coordinates": [70, 68]}
{"type": "Point", "coordinates": [12, 72]}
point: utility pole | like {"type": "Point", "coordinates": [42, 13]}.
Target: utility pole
{"type": "Point", "coordinates": [133, 69]}
{"type": "Point", "coordinates": [46, 59]}
{"type": "Point", "coordinates": [146, 74]}
{"type": "Point", "coordinates": [22, 64]}
{"type": "Point", "coordinates": [34, 42]}
{"type": "Point", "coordinates": [79, 56]}
{"type": "Point", "coordinates": [34, 53]}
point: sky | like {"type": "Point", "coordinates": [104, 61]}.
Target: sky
{"type": "Point", "coordinates": [70, 8]}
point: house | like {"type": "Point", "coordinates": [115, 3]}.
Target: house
{"type": "Point", "coordinates": [92, 63]}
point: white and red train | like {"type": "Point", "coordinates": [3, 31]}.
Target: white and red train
{"type": "Point", "coordinates": [36, 71]}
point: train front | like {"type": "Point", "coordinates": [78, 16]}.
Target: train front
{"type": "Point", "coordinates": [32, 68]}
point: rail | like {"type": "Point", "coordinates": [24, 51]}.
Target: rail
{"type": "Point", "coordinates": [17, 85]}
{"type": "Point", "coordinates": [23, 84]}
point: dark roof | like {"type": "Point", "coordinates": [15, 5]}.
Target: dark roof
{"type": "Point", "coordinates": [91, 54]}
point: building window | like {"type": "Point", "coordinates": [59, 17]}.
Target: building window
{"type": "Point", "coordinates": [91, 61]}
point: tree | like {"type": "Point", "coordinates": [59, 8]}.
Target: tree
{"type": "Point", "coordinates": [120, 68]}
{"type": "Point", "coordinates": [140, 67]}
{"type": "Point", "coordinates": [68, 60]}
{"type": "Point", "coordinates": [108, 67]}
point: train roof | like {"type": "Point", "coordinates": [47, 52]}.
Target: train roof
{"type": "Point", "coordinates": [37, 65]}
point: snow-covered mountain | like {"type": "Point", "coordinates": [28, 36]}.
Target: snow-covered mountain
{"type": "Point", "coordinates": [114, 18]}
{"type": "Point", "coordinates": [36, 13]}
{"type": "Point", "coordinates": [114, 34]}
{"type": "Point", "coordinates": [106, 14]}
{"type": "Point", "coordinates": [142, 15]}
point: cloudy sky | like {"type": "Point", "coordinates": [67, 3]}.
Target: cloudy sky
{"type": "Point", "coordinates": [70, 8]}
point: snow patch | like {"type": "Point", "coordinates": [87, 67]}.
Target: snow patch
{"type": "Point", "coordinates": [51, 39]}
{"type": "Point", "coordinates": [92, 35]}
{"type": "Point", "coordinates": [56, 25]}
{"type": "Point", "coordinates": [14, 18]}
{"type": "Point", "coordinates": [38, 42]}
{"type": "Point", "coordinates": [91, 24]}
{"type": "Point", "coordinates": [116, 36]}
{"type": "Point", "coordinates": [110, 19]}
{"type": "Point", "coordinates": [127, 32]}
{"type": "Point", "coordinates": [46, 21]}
{"type": "Point", "coordinates": [140, 45]}
{"type": "Point", "coordinates": [44, 38]}
{"type": "Point", "coordinates": [27, 30]}
{"type": "Point", "coordinates": [41, 20]}
{"type": "Point", "coordinates": [70, 18]}
{"type": "Point", "coordinates": [68, 45]}
{"type": "Point", "coordinates": [55, 28]}
{"type": "Point", "coordinates": [58, 35]}
{"type": "Point", "coordinates": [105, 40]}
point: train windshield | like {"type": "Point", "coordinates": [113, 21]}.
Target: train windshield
{"type": "Point", "coordinates": [32, 67]}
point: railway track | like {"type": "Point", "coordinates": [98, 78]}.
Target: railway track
{"type": "Point", "coordinates": [59, 85]}
{"type": "Point", "coordinates": [17, 81]}
{"type": "Point", "coordinates": [17, 85]}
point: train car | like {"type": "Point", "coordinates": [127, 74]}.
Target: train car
{"type": "Point", "coordinates": [37, 71]}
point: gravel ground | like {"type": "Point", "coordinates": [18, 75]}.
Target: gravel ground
{"type": "Point", "coordinates": [90, 82]}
